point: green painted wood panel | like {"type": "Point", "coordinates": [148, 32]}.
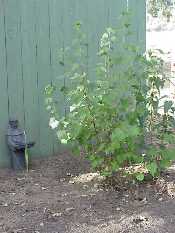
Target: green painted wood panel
{"type": "Point", "coordinates": [141, 26]}
{"type": "Point", "coordinates": [138, 22]}
{"type": "Point", "coordinates": [32, 32]}
{"type": "Point", "coordinates": [44, 73]}
{"type": "Point", "coordinates": [30, 72]}
{"type": "Point", "coordinates": [56, 44]}
{"type": "Point", "coordinates": [93, 34]}
{"type": "Point", "coordinates": [3, 90]}
{"type": "Point", "coordinates": [14, 64]}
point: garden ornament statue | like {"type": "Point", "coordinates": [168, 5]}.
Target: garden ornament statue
{"type": "Point", "coordinates": [17, 144]}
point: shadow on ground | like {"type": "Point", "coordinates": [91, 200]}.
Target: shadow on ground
{"type": "Point", "coordinates": [62, 195]}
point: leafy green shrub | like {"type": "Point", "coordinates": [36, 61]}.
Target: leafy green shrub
{"type": "Point", "coordinates": [114, 113]}
{"type": "Point", "coordinates": [160, 8]}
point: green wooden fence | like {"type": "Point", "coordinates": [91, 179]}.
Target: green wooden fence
{"type": "Point", "coordinates": [31, 34]}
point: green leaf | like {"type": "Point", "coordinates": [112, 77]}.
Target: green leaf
{"type": "Point", "coordinates": [167, 106]}
{"type": "Point", "coordinates": [113, 146]}
{"type": "Point", "coordinates": [132, 130]}
{"type": "Point", "coordinates": [118, 135]}
{"type": "Point", "coordinates": [165, 164]}
{"type": "Point", "coordinates": [62, 134]}
{"type": "Point", "coordinates": [106, 173]}
{"type": "Point", "coordinates": [76, 150]}
{"type": "Point", "coordinates": [169, 138]}
{"type": "Point", "coordinates": [152, 168]}
{"type": "Point", "coordinates": [115, 165]}
{"type": "Point", "coordinates": [64, 141]}
{"type": "Point", "coordinates": [96, 162]}
{"type": "Point", "coordinates": [168, 154]}
{"type": "Point", "coordinates": [140, 176]}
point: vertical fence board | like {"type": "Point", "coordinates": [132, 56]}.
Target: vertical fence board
{"type": "Point", "coordinates": [82, 17]}
{"type": "Point", "coordinates": [141, 26]}
{"type": "Point", "coordinates": [116, 8]}
{"type": "Point", "coordinates": [138, 22]}
{"type": "Point", "coordinates": [14, 65]}
{"type": "Point", "coordinates": [132, 7]}
{"type": "Point", "coordinates": [69, 19]}
{"type": "Point", "coordinates": [93, 43]}
{"type": "Point", "coordinates": [56, 45]}
{"type": "Point", "coordinates": [3, 91]}
{"type": "Point", "coordinates": [44, 73]}
{"type": "Point", "coordinates": [29, 63]}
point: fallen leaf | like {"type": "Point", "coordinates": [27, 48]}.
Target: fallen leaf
{"type": "Point", "coordinates": [62, 180]}
{"type": "Point", "coordinates": [140, 219]}
{"type": "Point", "coordinates": [41, 224]}
{"type": "Point", "coordinates": [5, 205]}
{"type": "Point", "coordinates": [69, 209]}
{"type": "Point", "coordinates": [19, 179]}
{"type": "Point", "coordinates": [71, 182]}
{"type": "Point", "coordinates": [13, 194]}
{"type": "Point", "coordinates": [57, 214]}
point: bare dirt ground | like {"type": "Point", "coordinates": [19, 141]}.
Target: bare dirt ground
{"type": "Point", "coordinates": [59, 195]}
